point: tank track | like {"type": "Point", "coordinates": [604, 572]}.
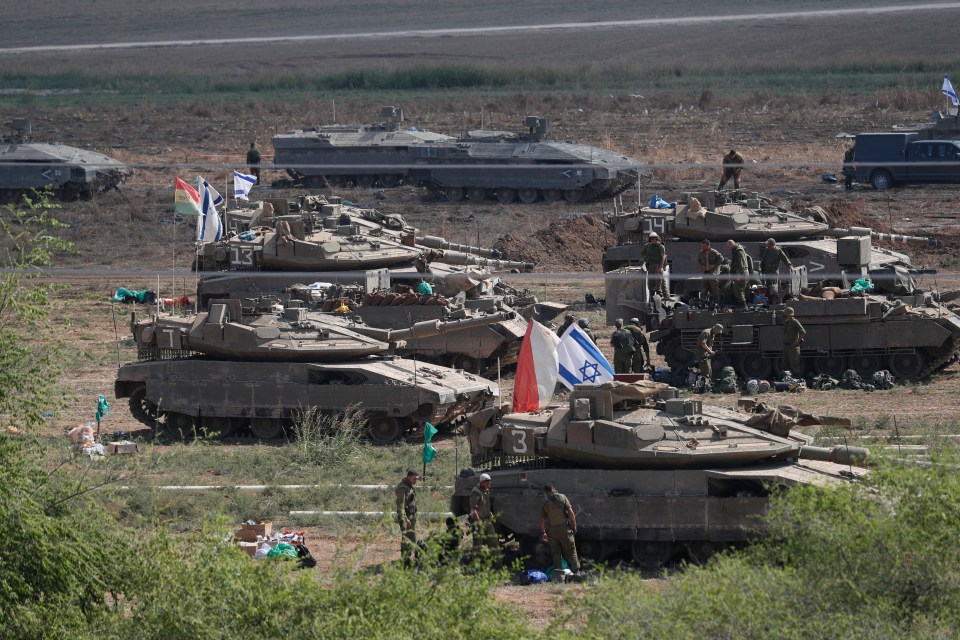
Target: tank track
{"type": "Point", "coordinates": [950, 351]}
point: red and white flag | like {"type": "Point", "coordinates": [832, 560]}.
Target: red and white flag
{"type": "Point", "coordinates": [537, 369]}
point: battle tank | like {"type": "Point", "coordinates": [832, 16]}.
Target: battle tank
{"type": "Point", "coordinates": [478, 165]}
{"type": "Point", "coordinates": [69, 172]}
{"type": "Point", "coordinates": [223, 371]}
{"type": "Point", "coordinates": [657, 478]}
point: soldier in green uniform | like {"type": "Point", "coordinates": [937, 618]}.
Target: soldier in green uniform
{"type": "Point", "coordinates": [407, 515]}
{"type": "Point", "coordinates": [793, 335]}
{"type": "Point", "coordinates": [558, 526]}
{"type": "Point", "coordinates": [705, 350]}
{"type": "Point", "coordinates": [481, 516]}
{"type": "Point", "coordinates": [584, 325]}
{"type": "Point", "coordinates": [654, 256]}
{"type": "Point", "coordinates": [771, 257]}
{"type": "Point", "coordinates": [732, 168]}
{"type": "Point", "coordinates": [253, 161]}
{"type": "Point", "coordinates": [568, 320]}
{"type": "Point", "coordinates": [624, 347]}
{"type": "Point", "coordinates": [739, 271]}
{"type": "Point", "coordinates": [641, 356]}
{"type": "Point", "coordinates": [848, 157]}
{"type": "Point", "coordinates": [710, 261]}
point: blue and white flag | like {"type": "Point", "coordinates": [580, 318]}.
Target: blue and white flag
{"type": "Point", "coordinates": [580, 360]}
{"type": "Point", "coordinates": [242, 184]}
{"type": "Point", "coordinates": [209, 226]}
{"type": "Point", "coordinates": [948, 91]}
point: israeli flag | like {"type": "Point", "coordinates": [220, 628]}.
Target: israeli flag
{"type": "Point", "coordinates": [948, 91]}
{"type": "Point", "coordinates": [242, 184]}
{"type": "Point", "coordinates": [580, 360]}
{"type": "Point", "coordinates": [209, 225]}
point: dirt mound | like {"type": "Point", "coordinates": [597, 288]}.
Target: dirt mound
{"type": "Point", "coordinates": [853, 213]}
{"type": "Point", "coordinates": [573, 244]}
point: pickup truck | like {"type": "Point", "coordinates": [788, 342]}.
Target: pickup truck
{"type": "Point", "coordinates": [888, 159]}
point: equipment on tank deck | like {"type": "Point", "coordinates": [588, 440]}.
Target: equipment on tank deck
{"type": "Point", "coordinates": [69, 172]}
{"type": "Point", "coordinates": [223, 370]}
{"type": "Point", "coordinates": [658, 478]}
{"type": "Point", "coordinates": [479, 165]}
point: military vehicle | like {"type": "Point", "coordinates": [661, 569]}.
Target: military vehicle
{"type": "Point", "coordinates": [656, 478]}
{"type": "Point", "coordinates": [478, 165]}
{"type": "Point", "coordinates": [223, 371]}
{"type": "Point", "coordinates": [69, 172]}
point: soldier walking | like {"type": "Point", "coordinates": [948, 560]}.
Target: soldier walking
{"type": "Point", "coordinates": [739, 271]}
{"type": "Point", "coordinates": [654, 256]}
{"type": "Point", "coordinates": [793, 335]}
{"type": "Point", "coordinates": [641, 356]}
{"type": "Point", "coordinates": [705, 350]}
{"type": "Point", "coordinates": [710, 260]}
{"type": "Point", "coordinates": [253, 161]}
{"type": "Point", "coordinates": [624, 346]}
{"type": "Point", "coordinates": [558, 526]}
{"type": "Point", "coordinates": [732, 168]}
{"type": "Point", "coordinates": [481, 516]}
{"type": "Point", "coordinates": [771, 257]}
{"type": "Point", "coordinates": [407, 515]}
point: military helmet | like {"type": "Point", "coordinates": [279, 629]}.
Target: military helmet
{"type": "Point", "coordinates": [583, 322]}
{"type": "Point", "coordinates": [634, 320]}
{"type": "Point", "coordinates": [484, 477]}
{"type": "Point", "coordinates": [653, 234]}
{"type": "Point", "coordinates": [771, 241]}
{"type": "Point", "coordinates": [718, 328]}
{"type": "Point", "coordinates": [788, 311]}
{"type": "Point", "coordinates": [569, 317]}
{"type": "Point", "coordinates": [618, 322]}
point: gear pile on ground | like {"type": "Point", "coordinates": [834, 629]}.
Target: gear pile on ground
{"type": "Point", "coordinates": [573, 244]}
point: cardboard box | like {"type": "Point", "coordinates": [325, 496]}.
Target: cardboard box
{"type": "Point", "coordinates": [124, 447]}
{"type": "Point", "coordinates": [250, 548]}
{"type": "Point", "coordinates": [245, 535]}
{"type": "Point", "coordinates": [259, 529]}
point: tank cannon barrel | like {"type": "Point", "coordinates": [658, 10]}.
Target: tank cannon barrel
{"type": "Point", "coordinates": [435, 242]}
{"type": "Point", "coordinates": [841, 454]}
{"type": "Point", "coordinates": [458, 258]}
{"type": "Point", "coordinates": [429, 328]}
{"type": "Point", "coordinates": [876, 235]}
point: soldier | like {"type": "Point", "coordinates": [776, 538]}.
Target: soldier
{"type": "Point", "coordinates": [732, 168]}
{"type": "Point", "coordinates": [848, 157]}
{"type": "Point", "coordinates": [710, 260]}
{"type": "Point", "coordinates": [568, 320]}
{"type": "Point", "coordinates": [253, 161]}
{"type": "Point", "coordinates": [624, 347]}
{"type": "Point", "coordinates": [654, 256]}
{"type": "Point", "coordinates": [584, 325]}
{"type": "Point", "coordinates": [705, 350]}
{"type": "Point", "coordinates": [641, 356]}
{"type": "Point", "coordinates": [558, 526]}
{"type": "Point", "coordinates": [771, 257]}
{"type": "Point", "coordinates": [481, 516]}
{"type": "Point", "coordinates": [793, 335]}
{"type": "Point", "coordinates": [739, 271]}
{"type": "Point", "coordinates": [407, 515]}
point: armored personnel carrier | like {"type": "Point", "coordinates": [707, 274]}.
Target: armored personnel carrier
{"type": "Point", "coordinates": [654, 478]}
{"type": "Point", "coordinates": [225, 371]}
{"type": "Point", "coordinates": [70, 172]}
{"type": "Point", "coordinates": [478, 165]}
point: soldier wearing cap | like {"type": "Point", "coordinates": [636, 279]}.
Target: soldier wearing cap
{"type": "Point", "coordinates": [771, 257]}
{"type": "Point", "coordinates": [654, 256]}
{"type": "Point", "coordinates": [481, 515]}
{"type": "Point", "coordinates": [793, 335]}
{"type": "Point", "coordinates": [641, 356]}
{"type": "Point", "coordinates": [739, 271]}
{"type": "Point", "coordinates": [406, 495]}
{"type": "Point", "coordinates": [558, 526]}
{"type": "Point", "coordinates": [732, 168]}
{"type": "Point", "coordinates": [705, 350]}
{"type": "Point", "coordinates": [710, 261]}
{"type": "Point", "coordinates": [624, 347]}
{"type": "Point", "coordinates": [568, 320]}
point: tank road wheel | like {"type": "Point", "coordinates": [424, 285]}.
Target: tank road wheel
{"type": "Point", "coordinates": [754, 365]}
{"type": "Point", "coordinates": [572, 196]}
{"type": "Point", "coordinates": [477, 194]}
{"type": "Point", "coordinates": [596, 550]}
{"type": "Point", "coordinates": [266, 428]}
{"type": "Point", "coordinates": [528, 196]}
{"type": "Point", "coordinates": [676, 356]}
{"type": "Point", "coordinates": [181, 425]}
{"type": "Point", "coordinates": [651, 555]}
{"type": "Point", "coordinates": [506, 196]}
{"type": "Point", "coordinates": [314, 182]}
{"type": "Point", "coordinates": [466, 363]}
{"type": "Point", "coordinates": [454, 194]}
{"type": "Point", "coordinates": [537, 550]}
{"type": "Point", "coordinates": [142, 409]}
{"type": "Point", "coordinates": [552, 195]}
{"type": "Point", "coordinates": [907, 366]}
{"type": "Point", "coordinates": [382, 430]}
{"type": "Point", "coordinates": [366, 180]}
{"type": "Point", "coordinates": [390, 181]}
{"type": "Point", "coordinates": [338, 181]}
{"type": "Point", "coordinates": [702, 550]}
{"type": "Point", "coordinates": [865, 365]}
{"type": "Point", "coordinates": [881, 180]}
{"type": "Point", "coordinates": [833, 366]}
{"type": "Point", "coordinates": [222, 426]}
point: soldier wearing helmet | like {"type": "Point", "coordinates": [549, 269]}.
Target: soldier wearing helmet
{"type": "Point", "coordinates": [641, 357]}
{"type": "Point", "coordinates": [771, 257]}
{"type": "Point", "coordinates": [654, 256]}
{"type": "Point", "coordinates": [568, 320]}
{"type": "Point", "coordinates": [584, 325]}
{"type": "Point", "coordinates": [732, 168]}
{"type": "Point", "coordinates": [705, 350]}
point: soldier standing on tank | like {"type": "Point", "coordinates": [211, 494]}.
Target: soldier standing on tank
{"type": "Point", "coordinates": [705, 350]}
{"type": "Point", "coordinates": [406, 495]}
{"type": "Point", "coordinates": [654, 256]}
{"type": "Point", "coordinates": [558, 526]}
{"type": "Point", "coordinates": [253, 161]}
{"type": "Point", "coordinates": [641, 356]}
{"type": "Point", "coordinates": [568, 320]}
{"type": "Point", "coordinates": [584, 325]}
{"type": "Point", "coordinates": [739, 271]}
{"type": "Point", "coordinates": [624, 347]}
{"type": "Point", "coordinates": [793, 335]}
{"type": "Point", "coordinates": [481, 516]}
{"type": "Point", "coordinates": [732, 168]}
{"type": "Point", "coordinates": [848, 158]}
{"type": "Point", "coordinates": [710, 260]}
{"type": "Point", "coordinates": [771, 257]}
